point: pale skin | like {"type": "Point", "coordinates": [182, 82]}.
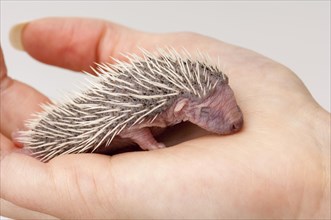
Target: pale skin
{"type": "Point", "coordinates": [277, 166]}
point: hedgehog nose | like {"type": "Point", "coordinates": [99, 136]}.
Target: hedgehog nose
{"type": "Point", "coordinates": [236, 126]}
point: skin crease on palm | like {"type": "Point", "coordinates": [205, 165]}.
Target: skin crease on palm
{"type": "Point", "coordinates": [277, 166]}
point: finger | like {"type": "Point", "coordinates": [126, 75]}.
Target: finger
{"type": "Point", "coordinates": [93, 186]}
{"type": "Point", "coordinates": [75, 43]}
{"type": "Point", "coordinates": [14, 164]}
{"type": "Point", "coordinates": [60, 184]}
{"type": "Point", "coordinates": [15, 212]}
{"type": "Point", "coordinates": [18, 101]}
{"type": "Point", "coordinates": [124, 186]}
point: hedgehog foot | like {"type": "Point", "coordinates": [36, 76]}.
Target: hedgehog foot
{"type": "Point", "coordinates": [143, 137]}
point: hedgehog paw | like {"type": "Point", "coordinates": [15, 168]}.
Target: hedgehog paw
{"type": "Point", "coordinates": [155, 146]}
{"type": "Point", "coordinates": [144, 138]}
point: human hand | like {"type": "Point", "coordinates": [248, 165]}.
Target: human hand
{"type": "Point", "coordinates": [278, 166]}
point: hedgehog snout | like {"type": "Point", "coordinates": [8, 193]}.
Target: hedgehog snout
{"type": "Point", "coordinates": [237, 125]}
{"type": "Point", "coordinates": [235, 120]}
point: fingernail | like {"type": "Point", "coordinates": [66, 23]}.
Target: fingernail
{"type": "Point", "coordinates": [15, 35]}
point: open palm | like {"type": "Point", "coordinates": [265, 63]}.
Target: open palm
{"type": "Point", "coordinates": [278, 166]}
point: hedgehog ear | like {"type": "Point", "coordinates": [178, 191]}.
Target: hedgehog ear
{"type": "Point", "coordinates": [180, 106]}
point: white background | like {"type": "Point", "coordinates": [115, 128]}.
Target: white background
{"type": "Point", "coordinates": [296, 34]}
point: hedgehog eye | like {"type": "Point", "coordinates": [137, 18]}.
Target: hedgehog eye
{"type": "Point", "coordinates": [204, 111]}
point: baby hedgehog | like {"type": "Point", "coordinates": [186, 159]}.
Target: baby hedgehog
{"type": "Point", "coordinates": [127, 99]}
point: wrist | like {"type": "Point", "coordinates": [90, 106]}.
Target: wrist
{"type": "Point", "coordinates": [324, 136]}
{"type": "Point", "coordinates": [320, 125]}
